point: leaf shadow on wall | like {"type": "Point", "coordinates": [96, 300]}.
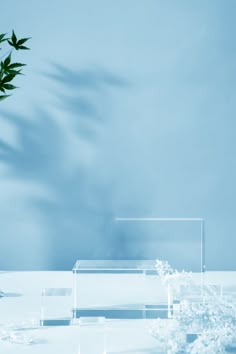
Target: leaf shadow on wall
{"type": "Point", "coordinates": [58, 150]}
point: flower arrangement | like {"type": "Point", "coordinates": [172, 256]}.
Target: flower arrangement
{"type": "Point", "coordinates": [210, 322]}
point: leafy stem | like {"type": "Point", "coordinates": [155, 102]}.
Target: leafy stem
{"type": "Point", "coordinates": [8, 69]}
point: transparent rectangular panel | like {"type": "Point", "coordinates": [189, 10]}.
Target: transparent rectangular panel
{"type": "Point", "coordinates": [121, 289]}
{"type": "Point", "coordinates": [56, 306]}
{"type": "Point", "coordinates": [180, 241]}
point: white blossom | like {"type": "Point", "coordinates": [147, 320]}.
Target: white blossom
{"type": "Point", "coordinates": [212, 318]}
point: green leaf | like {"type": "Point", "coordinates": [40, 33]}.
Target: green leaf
{"type": "Point", "coordinates": [17, 44]}
{"type": "Point", "coordinates": [7, 61]}
{"type": "Point", "coordinates": [22, 41]}
{"type": "Point", "coordinates": [9, 86]}
{"type": "Point", "coordinates": [2, 35]}
{"type": "Point", "coordinates": [8, 78]}
{"type": "Point", "coordinates": [17, 47]}
{"type": "Point", "coordinates": [15, 65]}
{"type": "Point", "coordinates": [3, 97]}
{"type": "Point", "coordinates": [13, 37]}
{"type": "Point", "coordinates": [9, 42]}
{"type": "Point", "coordinates": [22, 47]}
{"type": "Point", "coordinates": [15, 72]}
{"type": "Point", "coordinates": [2, 88]}
{"type": "Point", "coordinates": [2, 39]}
{"type": "Point", "coordinates": [14, 45]}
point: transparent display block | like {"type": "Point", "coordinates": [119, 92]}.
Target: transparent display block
{"type": "Point", "coordinates": [119, 289]}
{"type": "Point", "coordinates": [56, 307]}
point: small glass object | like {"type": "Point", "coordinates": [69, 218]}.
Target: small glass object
{"type": "Point", "coordinates": [119, 289]}
{"type": "Point", "coordinates": [56, 307]}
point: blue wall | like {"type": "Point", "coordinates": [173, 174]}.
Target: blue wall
{"type": "Point", "coordinates": [127, 109]}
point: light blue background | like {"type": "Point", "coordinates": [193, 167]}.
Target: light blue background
{"type": "Point", "coordinates": [127, 109]}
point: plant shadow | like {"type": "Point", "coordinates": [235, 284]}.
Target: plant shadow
{"type": "Point", "coordinates": [58, 153]}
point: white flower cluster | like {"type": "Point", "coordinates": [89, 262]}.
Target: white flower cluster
{"type": "Point", "coordinates": [213, 340]}
{"type": "Point", "coordinates": [172, 278]}
{"type": "Point", "coordinates": [170, 337]}
{"type": "Point", "coordinates": [212, 320]}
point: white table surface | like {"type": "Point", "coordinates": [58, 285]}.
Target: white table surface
{"type": "Point", "coordinates": [23, 305]}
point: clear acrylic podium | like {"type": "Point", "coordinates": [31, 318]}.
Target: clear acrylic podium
{"type": "Point", "coordinates": [114, 300]}
{"type": "Point", "coordinates": [120, 289]}
{"type": "Point", "coordinates": [127, 286]}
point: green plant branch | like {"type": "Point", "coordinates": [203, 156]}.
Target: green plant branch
{"type": "Point", "coordinates": [8, 69]}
